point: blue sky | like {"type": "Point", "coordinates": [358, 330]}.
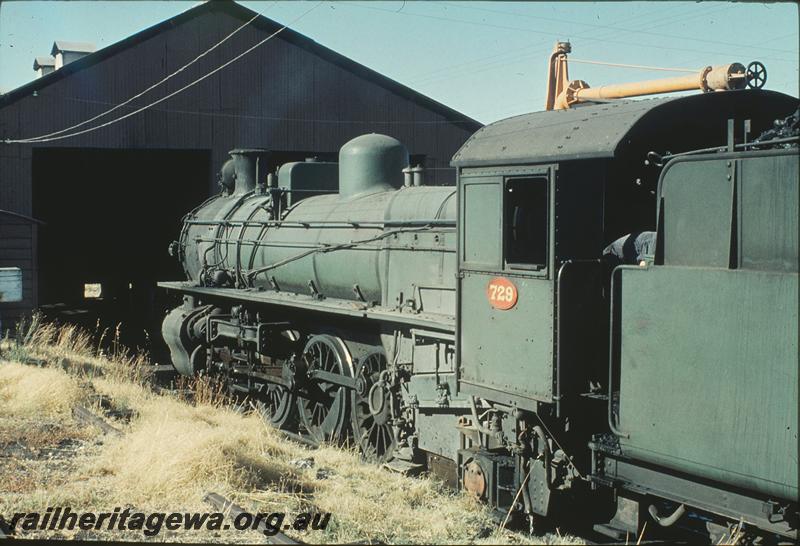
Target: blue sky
{"type": "Point", "coordinates": [486, 59]}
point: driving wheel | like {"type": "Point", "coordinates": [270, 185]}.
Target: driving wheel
{"type": "Point", "coordinates": [323, 405]}
{"type": "Point", "coordinates": [373, 409]}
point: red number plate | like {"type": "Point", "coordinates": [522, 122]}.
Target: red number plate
{"type": "Point", "coordinates": [502, 293]}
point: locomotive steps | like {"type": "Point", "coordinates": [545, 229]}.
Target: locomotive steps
{"type": "Point", "coordinates": [169, 454]}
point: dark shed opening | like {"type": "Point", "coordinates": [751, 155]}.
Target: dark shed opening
{"type": "Point", "coordinates": [111, 215]}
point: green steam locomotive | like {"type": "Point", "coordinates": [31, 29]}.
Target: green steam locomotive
{"type": "Point", "coordinates": [491, 334]}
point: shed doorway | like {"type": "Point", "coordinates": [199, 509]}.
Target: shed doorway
{"type": "Point", "coordinates": [110, 216]}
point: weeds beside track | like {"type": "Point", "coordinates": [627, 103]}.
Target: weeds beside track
{"type": "Point", "coordinates": [171, 453]}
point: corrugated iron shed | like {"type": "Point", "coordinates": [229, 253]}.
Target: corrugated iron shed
{"type": "Point", "coordinates": [290, 95]}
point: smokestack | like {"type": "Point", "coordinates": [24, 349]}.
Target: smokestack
{"type": "Point", "coordinates": [67, 52]}
{"type": "Point", "coordinates": [244, 170]}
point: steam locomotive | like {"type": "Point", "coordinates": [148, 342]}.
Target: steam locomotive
{"type": "Point", "coordinates": [480, 333]}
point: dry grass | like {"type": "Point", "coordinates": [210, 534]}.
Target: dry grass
{"type": "Point", "coordinates": [178, 452]}
{"type": "Point", "coordinates": [75, 351]}
{"type": "Point", "coordinates": [46, 392]}
{"type": "Point", "coordinates": [172, 453]}
{"type": "Point", "coordinates": [735, 535]}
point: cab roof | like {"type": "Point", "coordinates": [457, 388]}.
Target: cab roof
{"type": "Point", "coordinates": [603, 130]}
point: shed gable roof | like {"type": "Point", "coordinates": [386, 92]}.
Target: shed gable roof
{"type": "Point", "coordinates": [261, 22]}
{"type": "Point", "coordinates": [78, 47]}
{"type": "Point", "coordinates": [40, 62]}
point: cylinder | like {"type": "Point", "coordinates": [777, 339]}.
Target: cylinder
{"type": "Point", "coordinates": [726, 77]}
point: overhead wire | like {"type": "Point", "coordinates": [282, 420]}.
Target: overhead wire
{"type": "Point", "coordinates": [526, 30]}
{"type": "Point", "coordinates": [446, 73]}
{"type": "Point", "coordinates": [279, 118]}
{"type": "Point", "coordinates": [511, 60]}
{"type": "Point", "coordinates": [671, 20]}
{"type": "Point", "coordinates": [618, 29]}
{"type": "Point", "coordinates": [468, 67]}
{"type": "Point", "coordinates": [490, 66]}
{"type": "Point", "coordinates": [150, 88]}
{"type": "Point", "coordinates": [505, 53]}
{"type": "Point", "coordinates": [170, 95]}
{"type": "Point", "coordinates": [515, 108]}
{"type": "Point", "coordinates": [637, 66]}
{"type": "Point", "coordinates": [692, 60]}
{"type": "Point", "coordinates": [13, 214]}
{"type": "Point", "coordinates": [683, 17]}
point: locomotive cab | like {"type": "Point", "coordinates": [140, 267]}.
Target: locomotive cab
{"type": "Point", "coordinates": [540, 196]}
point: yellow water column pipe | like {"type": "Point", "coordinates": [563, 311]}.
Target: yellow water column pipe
{"type": "Point", "coordinates": [562, 93]}
{"type": "Point", "coordinates": [557, 74]}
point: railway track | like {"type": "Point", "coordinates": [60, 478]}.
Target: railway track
{"type": "Point", "coordinates": [232, 510]}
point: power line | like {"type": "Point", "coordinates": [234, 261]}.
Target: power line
{"type": "Point", "coordinates": [504, 53]}
{"type": "Point", "coordinates": [449, 19]}
{"type": "Point", "coordinates": [531, 31]}
{"type": "Point", "coordinates": [447, 72]}
{"type": "Point", "coordinates": [614, 28]}
{"type": "Point", "coordinates": [468, 66]}
{"type": "Point", "coordinates": [170, 95]}
{"type": "Point", "coordinates": [639, 66]}
{"type": "Point", "coordinates": [13, 214]}
{"type": "Point", "coordinates": [693, 58]}
{"type": "Point", "coordinates": [276, 118]}
{"type": "Point", "coordinates": [158, 83]}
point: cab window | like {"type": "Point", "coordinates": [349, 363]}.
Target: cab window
{"type": "Point", "coordinates": [525, 223]}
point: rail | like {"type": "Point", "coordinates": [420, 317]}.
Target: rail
{"type": "Point", "coordinates": [87, 417]}
{"type": "Point", "coordinates": [228, 507]}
